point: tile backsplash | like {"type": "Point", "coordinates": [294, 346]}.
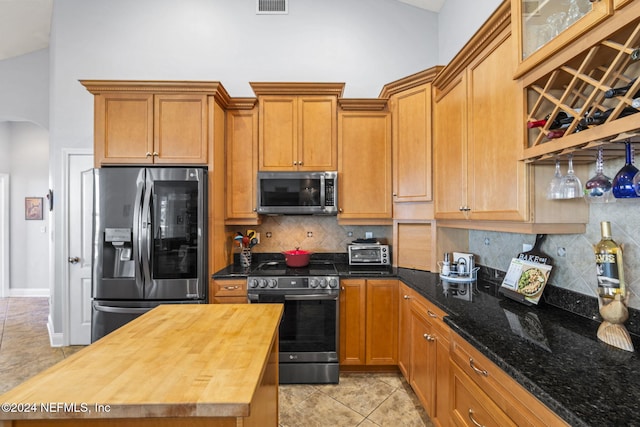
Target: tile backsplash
{"type": "Point", "coordinates": [311, 233]}
{"type": "Point", "coordinates": [572, 254]}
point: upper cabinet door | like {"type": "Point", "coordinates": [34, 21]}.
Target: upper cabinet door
{"type": "Point", "coordinates": [278, 133]}
{"type": "Point", "coordinates": [298, 133]}
{"type": "Point", "coordinates": [318, 136]}
{"type": "Point", "coordinates": [180, 129]}
{"type": "Point", "coordinates": [123, 128]}
{"type": "Point", "coordinates": [543, 27]}
{"type": "Point", "coordinates": [412, 145]}
{"type": "Point", "coordinates": [450, 151]}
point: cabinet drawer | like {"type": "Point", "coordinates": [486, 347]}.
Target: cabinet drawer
{"type": "Point", "coordinates": [470, 406]}
{"type": "Point", "coordinates": [229, 288]}
{"type": "Point", "coordinates": [520, 405]}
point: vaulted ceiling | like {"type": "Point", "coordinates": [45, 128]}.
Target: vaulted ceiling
{"type": "Point", "coordinates": [25, 24]}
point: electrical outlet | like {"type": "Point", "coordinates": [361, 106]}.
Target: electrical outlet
{"type": "Point", "coordinates": [349, 233]}
{"type": "Point", "coordinates": [562, 252]}
{"type": "Point", "coordinates": [309, 233]}
{"type": "Point", "coordinates": [487, 242]}
{"type": "Point", "coordinates": [368, 234]}
{"type": "Point", "coordinates": [268, 234]}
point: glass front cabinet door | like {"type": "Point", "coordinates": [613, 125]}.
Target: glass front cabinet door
{"type": "Point", "coordinates": [545, 26]}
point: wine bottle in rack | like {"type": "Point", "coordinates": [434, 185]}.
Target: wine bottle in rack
{"type": "Point", "coordinates": [636, 103]}
{"type": "Point", "coordinates": [621, 91]}
{"type": "Point", "coordinates": [635, 54]}
{"type": "Point", "coordinates": [600, 117]}
{"type": "Point", "coordinates": [561, 120]}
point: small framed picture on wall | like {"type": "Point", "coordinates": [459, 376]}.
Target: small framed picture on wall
{"type": "Point", "coordinates": [33, 208]}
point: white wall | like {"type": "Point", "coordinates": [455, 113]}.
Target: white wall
{"type": "Point", "coordinates": [26, 144]}
{"type": "Point", "coordinates": [24, 88]}
{"type": "Point", "coordinates": [458, 21]}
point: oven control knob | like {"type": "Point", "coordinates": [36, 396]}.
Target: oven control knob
{"type": "Point", "coordinates": [253, 283]}
{"type": "Point", "coordinates": [333, 283]}
{"type": "Point", "coordinates": [323, 283]}
{"type": "Point", "coordinates": [313, 283]}
{"type": "Point", "coordinates": [262, 283]}
{"type": "Point", "coordinates": [272, 283]}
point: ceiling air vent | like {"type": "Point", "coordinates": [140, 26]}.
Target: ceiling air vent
{"type": "Point", "coordinates": [272, 7]}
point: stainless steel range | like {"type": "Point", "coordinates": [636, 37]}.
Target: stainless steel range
{"type": "Point", "coordinates": [309, 329]}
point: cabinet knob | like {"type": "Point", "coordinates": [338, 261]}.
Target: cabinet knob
{"type": "Point", "coordinates": [300, 163]}
{"type": "Point", "coordinates": [406, 297]}
{"type": "Point", "coordinates": [395, 194]}
{"type": "Point", "coordinates": [428, 337]}
{"type": "Point", "coordinates": [155, 154]}
{"type": "Point", "coordinates": [295, 163]}
{"type": "Point", "coordinates": [148, 154]}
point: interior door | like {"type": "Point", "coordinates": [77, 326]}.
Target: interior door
{"type": "Point", "coordinates": [80, 211]}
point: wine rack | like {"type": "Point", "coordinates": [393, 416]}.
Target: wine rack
{"type": "Point", "coordinates": [576, 88]}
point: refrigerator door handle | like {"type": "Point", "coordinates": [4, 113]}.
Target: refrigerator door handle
{"type": "Point", "coordinates": [121, 310]}
{"type": "Point", "coordinates": [146, 232]}
{"type": "Point", "coordinates": [137, 232]}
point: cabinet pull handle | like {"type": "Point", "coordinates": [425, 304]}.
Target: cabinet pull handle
{"type": "Point", "coordinates": [295, 163]}
{"type": "Point", "coordinates": [470, 413]}
{"type": "Point", "coordinates": [148, 154]}
{"type": "Point", "coordinates": [406, 297]}
{"type": "Point", "coordinates": [428, 337]}
{"type": "Point", "coordinates": [155, 154]}
{"type": "Point", "coordinates": [300, 163]}
{"type": "Point", "coordinates": [482, 372]}
{"type": "Point", "coordinates": [230, 288]}
{"type": "Point", "coordinates": [432, 314]}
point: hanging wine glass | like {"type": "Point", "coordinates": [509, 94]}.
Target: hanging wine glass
{"type": "Point", "coordinates": [554, 189]}
{"type": "Point", "coordinates": [598, 189]}
{"type": "Point", "coordinates": [571, 185]}
{"type": "Point", "coordinates": [623, 187]}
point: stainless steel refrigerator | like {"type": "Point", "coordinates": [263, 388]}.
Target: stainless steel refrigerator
{"type": "Point", "coordinates": [149, 242]}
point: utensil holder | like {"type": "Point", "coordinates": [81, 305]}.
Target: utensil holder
{"type": "Point", "coordinates": [245, 257]}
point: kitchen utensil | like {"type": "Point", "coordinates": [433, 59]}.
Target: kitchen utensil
{"type": "Point", "coordinates": [535, 254]}
{"type": "Point", "coordinates": [599, 188]}
{"type": "Point", "coordinates": [297, 258]}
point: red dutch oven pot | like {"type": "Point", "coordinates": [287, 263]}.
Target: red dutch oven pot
{"type": "Point", "coordinates": [297, 258]}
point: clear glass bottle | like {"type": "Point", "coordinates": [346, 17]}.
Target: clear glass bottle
{"type": "Point", "coordinates": [609, 268]}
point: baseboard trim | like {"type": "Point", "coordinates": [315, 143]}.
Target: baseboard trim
{"type": "Point", "coordinates": [55, 339]}
{"type": "Point", "coordinates": [28, 292]}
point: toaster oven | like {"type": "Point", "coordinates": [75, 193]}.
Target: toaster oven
{"type": "Point", "coordinates": [369, 254]}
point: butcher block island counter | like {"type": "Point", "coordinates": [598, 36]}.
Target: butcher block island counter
{"type": "Point", "coordinates": [177, 365]}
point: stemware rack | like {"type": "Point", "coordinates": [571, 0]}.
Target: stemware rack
{"type": "Point", "coordinates": [576, 85]}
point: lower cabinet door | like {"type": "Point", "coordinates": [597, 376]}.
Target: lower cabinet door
{"type": "Point", "coordinates": [470, 406]}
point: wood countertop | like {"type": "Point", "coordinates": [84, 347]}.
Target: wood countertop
{"type": "Point", "coordinates": [175, 361]}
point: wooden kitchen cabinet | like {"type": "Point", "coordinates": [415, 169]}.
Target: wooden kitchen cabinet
{"type": "Point", "coordinates": [423, 353]}
{"type": "Point", "coordinates": [542, 28]}
{"type": "Point", "coordinates": [482, 391]}
{"type": "Point", "coordinates": [228, 291]}
{"type": "Point", "coordinates": [410, 102]}
{"type": "Point", "coordinates": [478, 141]}
{"type": "Point", "coordinates": [368, 322]}
{"type": "Point", "coordinates": [480, 179]}
{"type": "Point", "coordinates": [364, 166]}
{"type": "Point", "coordinates": [139, 122]}
{"type": "Point", "coordinates": [242, 165]}
{"type": "Point", "coordinates": [297, 126]}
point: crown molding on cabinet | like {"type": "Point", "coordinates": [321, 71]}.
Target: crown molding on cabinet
{"type": "Point", "coordinates": [363, 104]}
{"type": "Point", "coordinates": [498, 22]}
{"type": "Point", "coordinates": [414, 80]}
{"type": "Point", "coordinates": [241, 103]}
{"type": "Point", "coordinates": [297, 88]}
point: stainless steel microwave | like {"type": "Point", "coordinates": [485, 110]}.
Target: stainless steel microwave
{"type": "Point", "coordinates": [298, 193]}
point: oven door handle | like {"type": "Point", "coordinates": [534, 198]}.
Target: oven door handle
{"type": "Point", "coordinates": [310, 297]}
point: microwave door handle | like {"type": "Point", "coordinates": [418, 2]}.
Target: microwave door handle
{"type": "Point", "coordinates": [323, 194]}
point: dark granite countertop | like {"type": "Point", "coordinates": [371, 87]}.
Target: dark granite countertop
{"type": "Point", "coordinates": [552, 353]}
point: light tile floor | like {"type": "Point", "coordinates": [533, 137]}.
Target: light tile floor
{"type": "Point", "coordinates": [361, 399]}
